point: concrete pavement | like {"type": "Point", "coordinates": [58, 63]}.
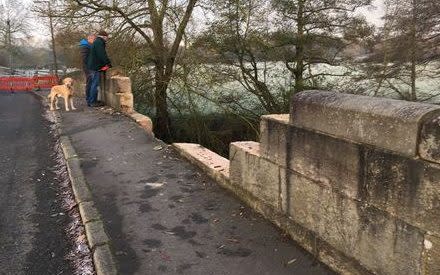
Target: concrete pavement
{"type": "Point", "coordinates": [163, 215]}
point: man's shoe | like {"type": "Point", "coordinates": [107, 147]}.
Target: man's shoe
{"type": "Point", "coordinates": [96, 104]}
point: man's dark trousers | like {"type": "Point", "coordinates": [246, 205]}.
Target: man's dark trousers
{"type": "Point", "coordinates": [92, 98]}
{"type": "Point", "coordinates": [88, 76]}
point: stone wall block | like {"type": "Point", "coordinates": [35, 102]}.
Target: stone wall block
{"type": "Point", "coordinates": [79, 89]}
{"type": "Point", "coordinates": [321, 211]}
{"type": "Point", "coordinates": [406, 188]}
{"type": "Point", "coordinates": [284, 192]}
{"type": "Point", "coordinates": [121, 84]}
{"type": "Point", "coordinates": [110, 98]}
{"type": "Point", "coordinates": [431, 255]}
{"type": "Point", "coordinates": [144, 121]}
{"type": "Point", "coordinates": [237, 168]}
{"type": "Point", "coordinates": [429, 147]}
{"type": "Point", "coordinates": [256, 175]}
{"type": "Point", "coordinates": [125, 102]}
{"type": "Point", "coordinates": [355, 180]}
{"type": "Point", "coordinates": [118, 94]}
{"type": "Point", "coordinates": [330, 161]}
{"type": "Point", "coordinates": [273, 140]}
{"type": "Point", "coordinates": [378, 241]}
{"type": "Point", "coordinates": [385, 123]}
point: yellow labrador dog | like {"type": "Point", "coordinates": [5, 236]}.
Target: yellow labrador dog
{"type": "Point", "coordinates": [65, 91]}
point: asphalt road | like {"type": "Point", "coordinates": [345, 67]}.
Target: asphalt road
{"type": "Point", "coordinates": [32, 223]}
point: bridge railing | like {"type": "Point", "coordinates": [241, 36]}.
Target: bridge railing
{"type": "Point", "coordinates": [20, 83]}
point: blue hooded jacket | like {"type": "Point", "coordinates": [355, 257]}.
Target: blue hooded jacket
{"type": "Point", "coordinates": [84, 48]}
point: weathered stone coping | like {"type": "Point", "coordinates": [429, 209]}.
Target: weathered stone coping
{"type": "Point", "coordinates": [384, 123]}
{"type": "Point", "coordinates": [216, 166]}
{"type": "Point", "coordinates": [118, 95]}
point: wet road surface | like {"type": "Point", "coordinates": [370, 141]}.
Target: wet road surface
{"type": "Point", "coordinates": [32, 222]}
{"type": "Point", "coordinates": [164, 216]}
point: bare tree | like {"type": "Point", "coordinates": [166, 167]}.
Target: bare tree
{"type": "Point", "coordinates": [14, 27]}
{"type": "Point", "coordinates": [160, 23]}
{"type": "Point", "coordinates": [240, 34]}
{"type": "Point", "coordinates": [410, 44]}
{"type": "Point", "coordinates": [317, 29]}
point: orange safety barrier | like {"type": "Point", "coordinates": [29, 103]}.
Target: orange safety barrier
{"type": "Point", "coordinates": [45, 82]}
{"type": "Point", "coordinates": [20, 83]}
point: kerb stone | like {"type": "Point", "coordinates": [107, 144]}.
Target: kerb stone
{"type": "Point", "coordinates": [67, 147]}
{"type": "Point", "coordinates": [88, 212]}
{"type": "Point", "coordinates": [104, 261]}
{"type": "Point", "coordinates": [80, 189]}
{"type": "Point", "coordinates": [96, 234]}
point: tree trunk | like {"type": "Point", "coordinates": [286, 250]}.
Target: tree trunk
{"type": "Point", "coordinates": [413, 77]}
{"type": "Point", "coordinates": [299, 70]}
{"type": "Point", "coordinates": [162, 126]}
{"type": "Point", "coordinates": [54, 53]}
{"type": "Point", "coordinates": [165, 59]}
{"type": "Point", "coordinates": [413, 96]}
{"type": "Point", "coordinates": [10, 51]}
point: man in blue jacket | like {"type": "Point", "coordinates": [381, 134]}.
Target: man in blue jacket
{"type": "Point", "coordinates": [97, 62]}
{"type": "Point", "coordinates": [84, 47]}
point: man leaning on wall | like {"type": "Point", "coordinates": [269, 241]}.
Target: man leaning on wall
{"type": "Point", "coordinates": [97, 63]}
{"type": "Point", "coordinates": [85, 46]}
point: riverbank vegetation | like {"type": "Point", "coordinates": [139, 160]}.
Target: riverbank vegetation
{"type": "Point", "coordinates": [206, 70]}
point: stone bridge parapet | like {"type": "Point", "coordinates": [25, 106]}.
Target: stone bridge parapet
{"type": "Point", "coordinates": [117, 93]}
{"type": "Point", "coordinates": [353, 179]}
